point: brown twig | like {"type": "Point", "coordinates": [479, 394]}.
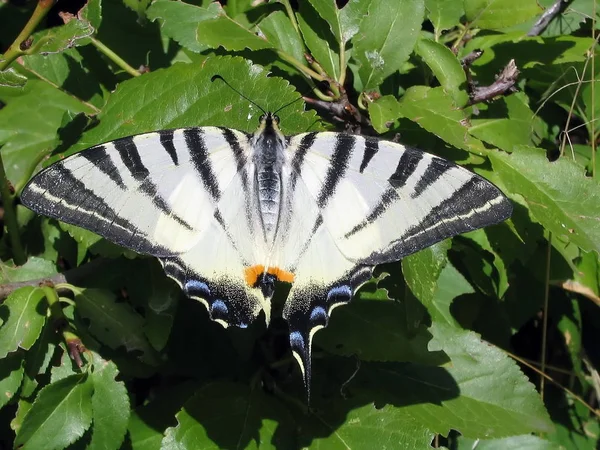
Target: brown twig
{"type": "Point", "coordinates": [504, 84]}
{"type": "Point", "coordinates": [547, 16]}
{"type": "Point", "coordinates": [342, 111]}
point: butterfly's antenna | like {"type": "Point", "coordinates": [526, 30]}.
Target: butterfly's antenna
{"type": "Point", "coordinates": [311, 89]}
{"type": "Point", "coordinates": [288, 104]}
{"type": "Point", "coordinates": [219, 77]}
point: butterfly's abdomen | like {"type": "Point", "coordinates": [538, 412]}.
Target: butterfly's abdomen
{"type": "Point", "coordinates": [268, 182]}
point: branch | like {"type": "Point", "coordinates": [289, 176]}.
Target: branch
{"type": "Point", "coordinates": [73, 276]}
{"type": "Point", "coordinates": [504, 84]}
{"type": "Point", "coordinates": [342, 110]}
{"type": "Point", "coordinates": [21, 43]}
{"type": "Point", "coordinates": [547, 17]}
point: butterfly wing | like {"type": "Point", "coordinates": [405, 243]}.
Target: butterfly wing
{"type": "Point", "coordinates": [365, 202]}
{"type": "Point", "coordinates": [171, 194]}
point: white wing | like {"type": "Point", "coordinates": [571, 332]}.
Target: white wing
{"type": "Point", "coordinates": [177, 195]}
{"type": "Point", "coordinates": [357, 202]}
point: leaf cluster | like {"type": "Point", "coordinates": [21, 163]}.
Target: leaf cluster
{"type": "Point", "coordinates": [110, 355]}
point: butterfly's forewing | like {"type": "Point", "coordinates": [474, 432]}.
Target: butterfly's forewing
{"type": "Point", "coordinates": [172, 194]}
{"type": "Point", "coordinates": [362, 202]}
{"type": "Point", "coordinates": [382, 201]}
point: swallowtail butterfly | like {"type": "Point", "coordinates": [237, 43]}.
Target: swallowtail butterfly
{"type": "Point", "coordinates": [229, 213]}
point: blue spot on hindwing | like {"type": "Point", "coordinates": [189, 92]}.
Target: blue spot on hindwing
{"type": "Point", "coordinates": [340, 294]}
{"type": "Point", "coordinates": [196, 288]}
{"type": "Point", "coordinates": [218, 308]}
{"type": "Point", "coordinates": [296, 340]}
{"type": "Point", "coordinates": [318, 314]}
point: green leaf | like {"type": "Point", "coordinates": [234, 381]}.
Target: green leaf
{"type": "Point", "coordinates": [557, 194]}
{"type": "Point", "coordinates": [23, 314]}
{"type": "Point", "coordinates": [88, 240]}
{"type": "Point", "coordinates": [149, 288]}
{"type": "Point", "coordinates": [75, 32]}
{"type": "Point", "coordinates": [70, 70]}
{"type": "Point", "coordinates": [386, 37]}
{"type": "Point", "coordinates": [148, 421]}
{"type": "Point", "coordinates": [494, 15]}
{"type": "Point", "coordinates": [523, 442]}
{"type": "Point", "coordinates": [11, 375]}
{"type": "Point", "coordinates": [177, 97]}
{"type": "Point", "coordinates": [24, 406]}
{"type": "Point", "coordinates": [60, 415]}
{"type": "Point", "coordinates": [138, 6]}
{"type": "Point", "coordinates": [225, 32]}
{"type": "Point", "coordinates": [92, 13]}
{"type": "Point", "coordinates": [480, 237]}
{"type": "Point", "coordinates": [276, 29]}
{"type": "Point", "coordinates": [110, 406]}
{"type": "Point", "coordinates": [376, 328]}
{"type": "Point", "coordinates": [434, 281]}
{"type": "Point", "coordinates": [431, 108]}
{"type": "Point", "coordinates": [29, 123]}
{"type": "Point", "coordinates": [446, 68]}
{"type": "Point", "coordinates": [231, 415]}
{"type": "Point", "coordinates": [319, 39]}
{"type": "Point", "coordinates": [179, 21]}
{"type": "Point", "coordinates": [496, 399]}
{"type": "Point", "coordinates": [509, 125]}
{"type": "Point", "coordinates": [344, 23]}
{"type": "Point", "coordinates": [422, 269]}
{"type": "Point", "coordinates": [481, 393]}
{"type": "Point", "coordinates": [365, 426]}
{"type": "Point", "coordinates": [33, 269]}
{"type": "Point", "coordinates": [10, 78]}
{"type": "Point", "coordinates": [444, 14]}
{"type": "Point", "coordinates": [114, 323]}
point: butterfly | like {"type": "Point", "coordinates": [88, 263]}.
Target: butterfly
{"type": "Point", "coordinates": [229, 214]}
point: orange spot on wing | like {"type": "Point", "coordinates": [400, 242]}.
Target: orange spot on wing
{"type": "Point", "coordinates": [282, 275]}
{"type": "Point", "coordinates": [253, 273]}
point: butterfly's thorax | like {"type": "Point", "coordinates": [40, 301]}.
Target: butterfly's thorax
{"type": "Point", "coordinates": [268, 144]}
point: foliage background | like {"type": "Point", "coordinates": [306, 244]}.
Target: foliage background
{"type": "Point", "coordinates": [445, 349]}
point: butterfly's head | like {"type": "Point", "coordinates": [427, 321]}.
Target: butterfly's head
{"type": "Point", "coordinates": [268, 139]}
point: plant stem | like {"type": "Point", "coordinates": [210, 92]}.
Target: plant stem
{"type": "Point", "coordinates": [546, 313]}
{"type": "Point", "coordinates": [14, 51]}
{"type": "Point", "coordinates": [115, 58]}
{"type": "Point", "coordinates": [10, 217]}
{"type": "Point", "coordinates": [291, 15]}
{"type": "Point", "coordinates": [343, 69]}
{"type": "Point", "coordinates": [301, 67]}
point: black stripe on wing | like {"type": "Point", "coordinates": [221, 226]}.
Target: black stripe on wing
{"type": "Point", "coordinates": [371, 148]}
{"type": "Point", "coordinates": [476, 204]}
{"type": "Point", "coordinates": [436, 169]}
{"type": "Point", "coordinates": [337, 168]}
{"type": "Point", "coordinates": [199, 155]}
{"type": "Point", "coordinates": [305, 144]}
{"type": "Point", "coordinates": [100, 158]}
{"type": "Point", "coordinates": [130, 156]}
{"type": "Point", "coordinates": [407, 164]}
{"type": "Point", "coordinates": [406, 167]}
{"type": "Point", "coordinates": [166, 140]}
{"type": "Point", "coordinates": [56, 193]}
{"type": "Point", "coordinates": [386, 200]}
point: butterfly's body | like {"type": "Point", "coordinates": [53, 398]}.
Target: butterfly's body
{"type": "Point", "coordinates": [230, 213]}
